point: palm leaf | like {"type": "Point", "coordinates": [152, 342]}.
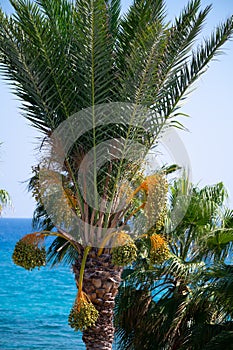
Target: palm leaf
{"type": "Point", "coordinates": [61, 251]}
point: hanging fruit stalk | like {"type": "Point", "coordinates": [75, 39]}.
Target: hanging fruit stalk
{"type": "Point", "coordinates": [30, 252]}
{"type": "Point", "coordinates": [83, 313]}
{"type": "Point", "coordinates": [154, 188]}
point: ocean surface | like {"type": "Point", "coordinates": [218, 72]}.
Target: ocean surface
{"type": "Point", "coordinates": [34, 305]}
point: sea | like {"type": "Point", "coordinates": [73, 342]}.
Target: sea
{"type": "Point", "coordinates": [34, 305]}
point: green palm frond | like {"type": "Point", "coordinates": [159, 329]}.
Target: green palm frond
{"type": "Point", "coordinates": [227, 218]}
{"type": "Point", "coordinates": [61, 252]}
{"type": "Point", "coordinates": [132, 25]}
{"type": "Point", "coordinates": [221, 341]}
{"type": "Point", "coordinates": [180, 269]}
{"type": "Point", "coordinates": [204, 335]}
{"type": "Point", "coordinates": [166, 51]}
{"type": "Point", "coordinates": [130, 319]}
{"type": "Point", "coordinates": [203, 218]}
{"type": "Point", "coordinates": [114, 10]}
{"type": "Point", "coordinates": [218, 244]}
{"type": "Point", "coordinates": [41, 220]}
{"type": "Point", "coordinates": [222, 277]}
{"type": "Point", "coordinates": [96, 46]}
{"type": "Point", "coordinates": [177, 87]}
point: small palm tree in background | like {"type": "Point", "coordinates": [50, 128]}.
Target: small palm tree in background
{"type": "Point", "coordinates": [184, 302]}
{"type": "Point", "coordinates": [63, 57]}
{"type": "Point", "coordinates": [4, 199]}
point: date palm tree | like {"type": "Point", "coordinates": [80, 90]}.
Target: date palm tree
{"type": "Point", "coordinates": [186, 302]}
{"type": "Point", "coordinates": [63, 57]}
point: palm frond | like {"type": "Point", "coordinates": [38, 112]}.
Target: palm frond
{"type": "Point", "coordinates": [221, 341]}
{"type": "Point", "coordinates": [207, 336]}
{"type": "Point", "coordinates": [177, 87]}
{"type": "Point", "coordinates": [132, 25]}
{"type": "Point", "coordinates": [61, 252]}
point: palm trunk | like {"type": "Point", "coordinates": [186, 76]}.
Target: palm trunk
{"type": "Point", "coordinates": [100, 283]}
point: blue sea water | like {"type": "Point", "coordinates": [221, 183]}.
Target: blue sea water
{"type": "Point", "coordinates": [34, 305]}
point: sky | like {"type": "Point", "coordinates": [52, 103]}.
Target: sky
{"type": "Point", "coordinates": [209, 141]}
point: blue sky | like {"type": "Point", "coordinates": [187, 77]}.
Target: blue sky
{"type": "Point", "coordinates": [209, 141]}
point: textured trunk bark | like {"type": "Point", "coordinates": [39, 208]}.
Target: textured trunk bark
{"type": "Point", "coordinates": [100, 283]}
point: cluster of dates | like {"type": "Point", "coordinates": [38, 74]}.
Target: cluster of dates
{"type": "Point", "coordinates": [28, 254]}
{"type": "Point", "coordinates": [159, 251]}
{"type": "Point", "coordinates": [82, 315]}
{"type": "Point", "coordinates": [125, 252]}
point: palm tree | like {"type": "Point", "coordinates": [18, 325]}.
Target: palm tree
{"type": "Point", "coordinates": [186, 302]}
{"type": "Point", "coordinates": [64, 57]}
{"type": "Point", "coordinates": [4, 198]}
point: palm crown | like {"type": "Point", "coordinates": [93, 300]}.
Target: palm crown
{"type": "Point", "coordinates": [63, 57]}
